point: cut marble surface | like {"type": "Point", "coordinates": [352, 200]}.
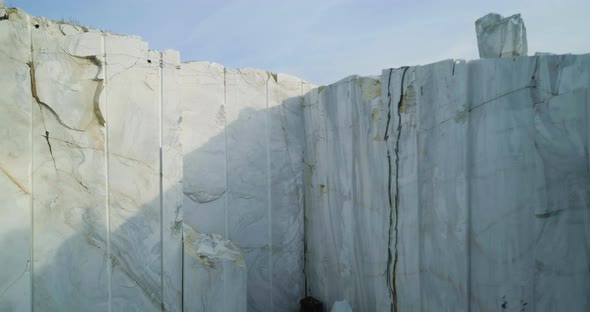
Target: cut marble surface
{"type": "Point", "coordinates": [68, 172]}
{"type": "Point", "coordinates": [88, 253]}
{"type": "Point", "coordinates": [216, 274]}
{"type": "Point", "coordinates": [202, 86]}
{"type": "Point", "coordinates": [346, 210]}
{"type": "Point", "coordinates": [480, 226]}
{"type": "Point", "coordinates": [15, 161]}
{"type": "Point", "coordinates": [498, 36]}
{"type": "Point", "coordinates": [495, 228]}
{"type": "Point", "coordinates": [393, 215]}
{"type": "Point", "coordinates": [133, 118]}
{"type": "Point", "coordinates": [172, 175]}
{"type": "Point", "coordinates": [242, 142]}
{"type": "Point", "coordinates": [285, 145]}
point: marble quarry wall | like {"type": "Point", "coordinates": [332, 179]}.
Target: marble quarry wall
{"type": "Point", "coordinates": [113, 155]}
{"type": "Point", "coordinates": [461, 186]}
{"type": "Point", "coordinates": [130, 181]}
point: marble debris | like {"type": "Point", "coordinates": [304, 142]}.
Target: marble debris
{"type": "Point", "coordinates": [215, 273]}
{"type": "Point", "coordinates": [501, 37]}
{"type": "Point", "coordinates": [341, 306]}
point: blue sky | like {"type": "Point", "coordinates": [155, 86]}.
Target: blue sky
{"type": "Point", "coordinates": [322, 41]}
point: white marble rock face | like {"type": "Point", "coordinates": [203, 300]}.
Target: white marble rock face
{"type": "Point", "coordinates": [484, 225]}
{"type": "Point", "coordinates": [68, 170]}
{"type": "Point", "coordinates": [347, 211]}
{"type": "Point", "coordinates": [215, 273]}
{"type": "Point", "coordinates": [447, 187]}
{"type": "Point", "coordinates": [494, 228]}
{"type": "Point", "coordinates": [15, 161]}
{"type": "Point", "coordinates": [92, 233]}
{"type": "Point", "coordinates": [172, 175]}
{"type": "Point", "coordinates": [498, 36]}
{"type": "Point", "coordinates": [242, 141]}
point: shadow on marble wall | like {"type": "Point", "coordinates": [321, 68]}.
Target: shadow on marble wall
{"type": "Point", "coordinates": [74, 276]}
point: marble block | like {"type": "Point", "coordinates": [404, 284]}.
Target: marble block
{"type": "Point", "coordinates": [501, 37]}
{"type": "Point", "coordinates": [215, 276]}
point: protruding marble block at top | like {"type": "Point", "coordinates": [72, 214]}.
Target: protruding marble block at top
{"type": "Point", "coordinates": [215, 275]}
{"type": "Point", "coordinates": [501, 37]}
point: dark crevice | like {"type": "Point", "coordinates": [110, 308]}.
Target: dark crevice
{"type": "Point", "coordinates": [389, 277]}
{"type": "Point", "coordinates": [399, 131]}
{"type": "Point", "coordinates": [41, 104]}
{"type": "Point", "coordinates": [46, 136]}
{"type": "Point", "coordinates": [392, 258]}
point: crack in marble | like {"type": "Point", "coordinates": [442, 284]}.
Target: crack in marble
{"type": "Point", "coordinates": [46, 136]}
{"type": "Point", "coordinates": [388, 277]}
{"type": "Point", "coordinates": [397, 150]}
{"type": "Point", "coordinates": [43, 104]}
{"type": "Point", "coordinates": [16, 280]}
{"type": "Point", "coordinates": [392, 258]}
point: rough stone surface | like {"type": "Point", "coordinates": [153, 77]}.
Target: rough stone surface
{"type": "Point", "coordinates": [209, 259]}
{"type": "Point", "coordinates": [501, 37]}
